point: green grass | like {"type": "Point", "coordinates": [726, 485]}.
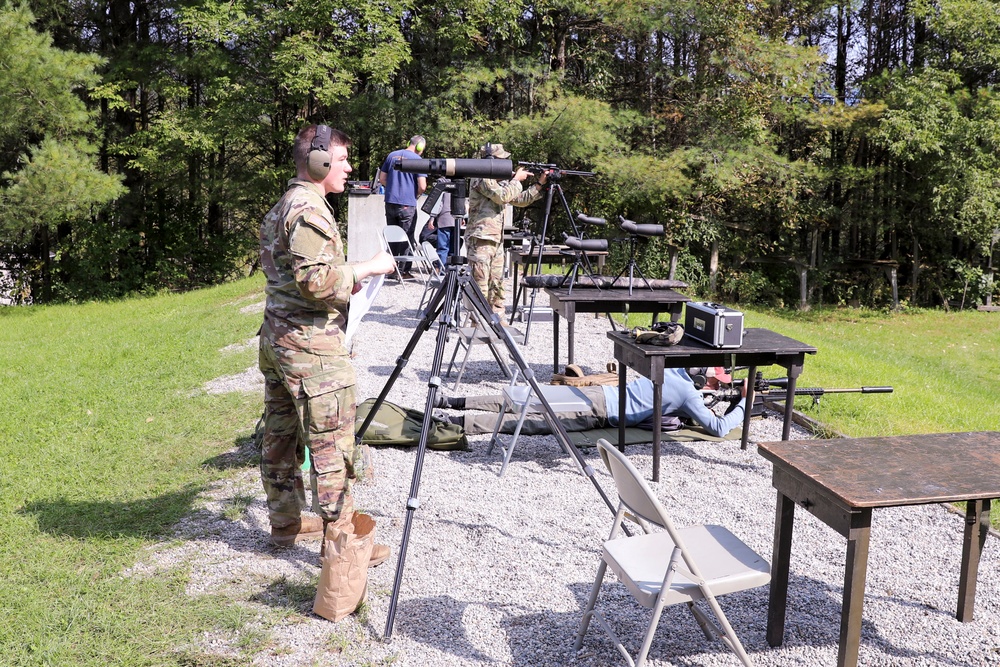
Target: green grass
{"type": "Point", "coordinates": [105, 442]}
{"type": "Point", "coordinates": [942, 367]}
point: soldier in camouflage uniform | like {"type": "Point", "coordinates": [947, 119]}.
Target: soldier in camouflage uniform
{"type": "Point", "coordinates": [484, 233]}
{"type": "Point", "coordinates": [309, 395]}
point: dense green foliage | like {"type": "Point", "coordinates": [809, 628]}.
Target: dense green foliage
{"type": "Point", "coordinates": [843, 140]}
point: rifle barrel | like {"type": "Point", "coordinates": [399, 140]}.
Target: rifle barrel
{"type": "Point", "coordinates": [819, 391]}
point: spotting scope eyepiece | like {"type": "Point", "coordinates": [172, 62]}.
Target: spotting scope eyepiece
{"type": "Point", "coordinates": [458, 167]}
{"type": "Point", "coordinates": [589, 220]}
{"type": "Point", "coordinates": [640, 230]}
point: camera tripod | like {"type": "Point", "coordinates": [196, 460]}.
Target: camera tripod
{"type": "Point", "coordinates": [635, 232]}
{"type": "Point", "coordinates": [552, 188]}
{"type": "Point", "coordinates": [443, 307]}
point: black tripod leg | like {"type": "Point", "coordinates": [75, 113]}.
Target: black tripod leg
{"type": "Point", "coordinates": [558, 430]}
{"type": "Point", "coordinates": [448, 294]}
{"type": "Point", "coordinates": [586, 260]}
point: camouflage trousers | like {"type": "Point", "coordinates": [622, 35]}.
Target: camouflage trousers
{"type": "Point", "coordinates": [486, 258]}
{"type": "Point", "coordinates": [309, 401]}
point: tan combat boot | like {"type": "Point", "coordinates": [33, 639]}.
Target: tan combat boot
{"type": "Point", "coordinates": [308, 527]}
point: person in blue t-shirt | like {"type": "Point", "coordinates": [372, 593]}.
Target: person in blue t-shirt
{"type": "Point", "coordinates": [401, 192]}
{"type": "Point", "coordinates": [681, 398]}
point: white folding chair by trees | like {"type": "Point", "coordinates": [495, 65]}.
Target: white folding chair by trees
{"type": "Point", "coordinates": [670, 567]}
{"type": "Point", "coordinates": [393, 234]}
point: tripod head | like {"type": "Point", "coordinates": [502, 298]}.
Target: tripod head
{"type": "Point", "coordinates": [459, 191]}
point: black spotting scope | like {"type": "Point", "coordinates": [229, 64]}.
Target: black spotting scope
{"type": "Point", "coordinates": [637, 229]}
{"type": "Point", "coordinates": [458, 167]}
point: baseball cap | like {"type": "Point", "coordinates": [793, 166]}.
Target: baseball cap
{"type": "Point", "coordinates": [720, 374]}
{"type": "Point", "coordinates": [494, 150]}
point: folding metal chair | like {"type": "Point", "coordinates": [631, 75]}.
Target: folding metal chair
{"type": "Point", "coordinates": [392, 234]}
{"type": "Point", "coordinates": [670, 567]}
{"type": "Point", "coordinates": [471, 333]}
{"type": "Point", "coordinates": [437, 271]}
{"type": "Point", "coordinates": [520, 400]}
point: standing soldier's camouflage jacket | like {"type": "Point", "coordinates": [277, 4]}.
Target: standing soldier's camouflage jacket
{"type": "Point", "coordinates": [486, 201]}
{"type": "Point", "coordinates": [301, 246]}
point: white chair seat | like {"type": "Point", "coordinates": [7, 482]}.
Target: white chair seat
{"type": "Point", "coordinates": [520, 400]}
{"type": "Point", "coordinates": [690, 565]}
{"type": "Point", "coordinates": [468, 336]}
{"type": "Point", "coordinates": [726, 563]}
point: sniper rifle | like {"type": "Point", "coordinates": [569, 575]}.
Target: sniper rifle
{"type": "Point", "coordinates": [553, 170]}
{"type": "Point", "coordinates": [777, 390]}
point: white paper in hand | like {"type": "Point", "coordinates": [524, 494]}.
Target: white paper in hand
{"type": "Point", "coordinates": [360, 305]}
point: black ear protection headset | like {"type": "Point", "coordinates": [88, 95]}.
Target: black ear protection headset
{"type": "Point", "coordinates": [318, 162]}
{"type": "Point", "coordinates": [699, 376]}
{"type": "Point", "coordinates": [488, 150]}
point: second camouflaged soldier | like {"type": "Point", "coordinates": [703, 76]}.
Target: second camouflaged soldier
{"type": "Point", "coordinates": [309, 394]}
{"type": "Point", "coordinates": [484, 233]}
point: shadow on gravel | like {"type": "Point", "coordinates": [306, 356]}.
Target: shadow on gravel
{"type": "Point", "coordinates": [547, 637]}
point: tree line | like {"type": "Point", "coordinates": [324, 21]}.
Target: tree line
{"type": "Point", "coordinates": [143, 140]}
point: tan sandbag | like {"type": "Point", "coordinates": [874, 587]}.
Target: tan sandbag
{"type": "Point", "coordinates": [586, 380]}
{"type": "Point", "coordinates": [343, 580]}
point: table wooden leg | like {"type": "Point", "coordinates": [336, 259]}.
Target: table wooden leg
{"type": "Point", "coordinates": [977, 525]}
{"type": "Point", "coordinates": [748, 408]}
{"type": "Point", "coordinates": [622, 375]}
{"type": "Point", "coordinates": [555, 342]}
{"type": "Point", "coordinates": [786, 424]}
{"type": "Point", "coordinates": [676, 310]}
{"type": "Point", "coordinates": [657, 424]}
{"type": "Point", "coordinates": [780, 560]}
{"type": "Point", "coordinates": [855, 572]}
{"type": "Point", "coordinates": [570, 326]}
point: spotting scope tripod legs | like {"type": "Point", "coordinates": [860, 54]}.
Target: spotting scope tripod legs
{"type": "Point", "coordinates": [443, 307]}
{"type": "Point", "coordinates": [551, 190]}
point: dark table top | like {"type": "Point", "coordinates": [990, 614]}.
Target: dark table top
{"type": "Point", "coordinates": [639, 295]}
{"type": "Point", "coordinates": [898, 470]}
{"type": "Point", "coordinates": [755, 342]}
{"type": "Point", "coordinates": [518, 256]}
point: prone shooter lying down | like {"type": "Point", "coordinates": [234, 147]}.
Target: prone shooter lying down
{"type": "Point", "coordinates": [681, 398]}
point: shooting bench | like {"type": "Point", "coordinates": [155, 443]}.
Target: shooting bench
{"type": "Point", "coordinates": [582, 299]}
{"type": "Point", "coordinates": [840, 482]}
{"type": "Point", "coordinates": [550, 254]}
{"type": "Point", "coordinates": [761, 347]}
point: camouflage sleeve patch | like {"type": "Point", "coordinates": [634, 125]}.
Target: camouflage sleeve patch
{"type": "Point", "coordinates": [307, 242]}
{"type": "Point", "coordinates": [319, 223]}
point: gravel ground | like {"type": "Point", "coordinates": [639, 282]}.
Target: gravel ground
{"type": "Point", "coordinates": [498, 569]}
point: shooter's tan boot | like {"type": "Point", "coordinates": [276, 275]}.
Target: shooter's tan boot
{"type": "Point", "coordinates": [308, 527]}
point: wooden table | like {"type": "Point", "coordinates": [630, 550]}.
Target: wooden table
{"type": "Point", "coordinates": [567, 304]}
{"type": "Point", "coordinates": [551, 254]}
{"type": "Point", "coordinates": [761, 347]}
{"type": "Point", "coordinates": [840, 481]}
